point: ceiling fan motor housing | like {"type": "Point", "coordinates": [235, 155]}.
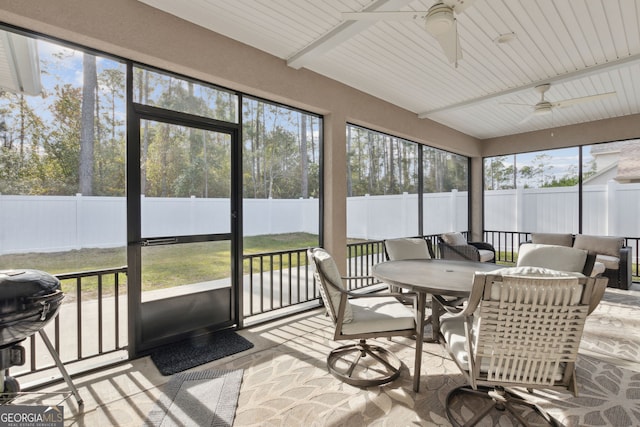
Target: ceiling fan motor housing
{"type": "Point", "coordinates": [542, 108]}
{"type": "Point", "coordinates": [439, 19]}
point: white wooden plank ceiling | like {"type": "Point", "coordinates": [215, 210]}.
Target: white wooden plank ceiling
{"type": "Point", "coordinates": [582, 47]}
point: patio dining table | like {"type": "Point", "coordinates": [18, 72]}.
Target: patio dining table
{"type": "Point", "coordinates": [437, 277]}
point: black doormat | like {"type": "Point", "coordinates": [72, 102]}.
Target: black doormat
{"type": "Point", "coordinates": [177, 357]}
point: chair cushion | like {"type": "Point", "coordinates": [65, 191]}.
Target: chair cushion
{"type": "Point", "coordinates": [610, 262]}
{"type": "Point", "coordinates": [329, 270]}
{"type": "Point", "coordinates": [598, 268]}
{"type": "Point", "coordinates": [554, 257]}
{"type": "Point", "coordinates": [558, 239]}
{"type": "Point", "coordinates": [605, 245]}
{"type": "Point", "coordinates": [410, 248]}
{"type": "Point", "coordinates": [534, 271]}
{"type": "Point", "coordinates": [452, 329]}
{"type": "Point", "coordinates": [378, 315]}
{"type": "Point", "coordinates": [514, 273]}
{"type": "Point", "coordinates": [485, 255]}
{"type": "Point", "coordinates": [454, 239]}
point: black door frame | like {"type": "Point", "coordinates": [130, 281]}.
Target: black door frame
{"type": "Point", "coordinates": [136, 113]}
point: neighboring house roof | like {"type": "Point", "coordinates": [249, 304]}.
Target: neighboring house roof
{"type": "Point", "coordinates": [602, 176]}
{"type": "Point", "coordinates": [609, 147]}
{"type": "Point", "coordinates": [629, 163]}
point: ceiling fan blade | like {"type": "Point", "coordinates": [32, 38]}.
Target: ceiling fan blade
{"type": "Point", "coordinates": [458, 6]}
{"type": "Point", "coordinates": [573, 101]}
{"type": "Point", "coordinates": [450, 44]}
{"type": "Point", "coordinates": [513, 103]}
{"type": "Point", "coordinates": [383, 16]}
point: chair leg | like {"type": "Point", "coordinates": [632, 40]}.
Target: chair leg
{"type": "Point", "coordinates": [495, 399]}
{"type": "Point", "coordinates": [363, 365]}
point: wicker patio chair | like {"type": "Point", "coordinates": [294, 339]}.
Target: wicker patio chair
{"type": "Point", "coordinates": [455, 246]}
{"type": "Point", "coordinates": [521, 327]}
{"type": "Point", "coordinates": [360, 317]}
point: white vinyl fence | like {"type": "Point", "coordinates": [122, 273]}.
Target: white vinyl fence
{"type": "Point", "coordinates": [382, 217]}
{"type": "Point", "coordinates": [612, 209]}
{"type": "Point", "coordinates": [62, 223]}
{"type": "Point", "coordinates": [59, 223]}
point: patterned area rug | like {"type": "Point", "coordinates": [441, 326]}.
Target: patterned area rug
{"type": "Point", "coordinates": [288, 383]}
{"type": "Point", "coordinates": [613, 329]}
{"type": "Point", "coordinates": [201, 398]}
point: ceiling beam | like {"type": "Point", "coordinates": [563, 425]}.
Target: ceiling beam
{"type": "Point", "coordinates": [607, 66]}
{"type": "Point", "coordinates": [342, 33]}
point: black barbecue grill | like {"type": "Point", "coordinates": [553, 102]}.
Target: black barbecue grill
{"type": "Point", "coordinates": [29, 299]}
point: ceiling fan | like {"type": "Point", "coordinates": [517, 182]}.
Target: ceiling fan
{"type": "Point", "coordinates": [544, 107]}
{"type": "Point", "coordinates": [439, 21]}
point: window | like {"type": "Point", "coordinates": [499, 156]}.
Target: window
{"type": "Point", "coordinates": [611, 188]}
{"type": "Point", "coordinates": [163, 90]}
{"type": "Point", "coordinates": [550, 191]}
{"type": "Point", "coordinates": [62, 160]}
{"type": "Point", "coordinates": [532, 192]}
{"type": "Point", "coordinates": [382, 185]}
{"type": "Point", "coordinates": [281, 177]}
{"type": "Point", "coordinates": [446, 193]}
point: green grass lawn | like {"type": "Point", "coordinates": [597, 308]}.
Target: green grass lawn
{"type": "Point", "coordinates": [171, 265]}
{"type": "Point", "coordinates": [163, 266]}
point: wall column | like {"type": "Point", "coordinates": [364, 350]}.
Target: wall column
{"type": "Point", "coordinates": [335, 188]}
{"type": "Point", "coordinates": [477, 203]}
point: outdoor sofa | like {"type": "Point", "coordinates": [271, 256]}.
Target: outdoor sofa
{"type": "Point", "coordinates": [610, 252]}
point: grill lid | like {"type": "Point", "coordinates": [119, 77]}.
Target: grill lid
{"type": "Point", "coordinates": [26, 283]}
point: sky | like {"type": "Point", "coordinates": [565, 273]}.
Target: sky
{"type": "Point", "coordinates": [562, 162]}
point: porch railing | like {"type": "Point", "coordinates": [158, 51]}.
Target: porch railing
{"type": "Point", "coordinates": [506, 244]}
{"type": "Point", "coordinates": [93, 322]}
{"type": "Point", "coordinates": [276, 280]}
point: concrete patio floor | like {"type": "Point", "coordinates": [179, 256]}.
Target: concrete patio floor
{"type": "Point", "coordinates": [285, 383]}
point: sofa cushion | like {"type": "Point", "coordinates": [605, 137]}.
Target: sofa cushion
{"type": "Point", "coordinates": [454, 239]}
{"type": "Point", "coordinates": [559, 239]}
{"type": "Point", "coordinates": [485, 255]}
{"type": "Point", "coordinates": [609, 262]}
{"type": "Point", "coordinates": [554, 257]}
{"type": "Point", "coordinates": [605, 245]}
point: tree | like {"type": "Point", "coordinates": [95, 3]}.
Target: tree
{"type": "Point", "coordinates": [87, 127]}
{"type": "Point", "coordinates": [569, 179]}
{"type": "Point", "coordinates": [497, 175]}
{"type": "Point", "coordinates": [58, 173]}
{"type": "Point", "coordinates": [537, 171]}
